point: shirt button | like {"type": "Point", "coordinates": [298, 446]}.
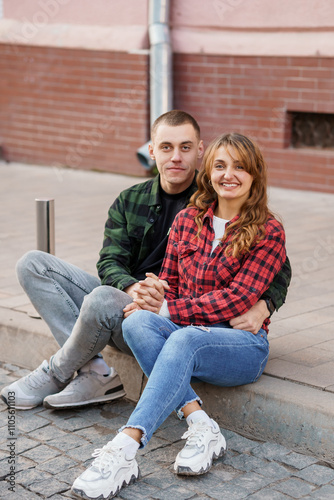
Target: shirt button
{"type": "Point", "coordinates": [151, 220]}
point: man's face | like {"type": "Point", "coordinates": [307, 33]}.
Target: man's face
{"type": "Point", "coordinates": [176, 151]}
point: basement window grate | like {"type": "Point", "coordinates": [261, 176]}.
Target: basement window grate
{"type": "Point", "coordinates": [312, 130]}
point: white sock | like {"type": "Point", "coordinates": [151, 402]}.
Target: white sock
{"type": "Point", "coordinates": [127, 443]}
{"type": "Point", "coordinates": [198, 415]}
{"type": "Point", "coordinates": [96, 365]}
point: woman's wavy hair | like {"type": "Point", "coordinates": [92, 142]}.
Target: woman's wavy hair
{"type": "Point", "coordinates": [254, 213]}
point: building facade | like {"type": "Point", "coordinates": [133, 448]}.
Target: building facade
{"type": "Point", "coordinates": [74, 86]}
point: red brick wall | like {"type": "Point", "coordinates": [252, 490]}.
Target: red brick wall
{"type": "Point", "coordinates": [79, 108]}
{"type": "Point", "coordinates": [90, 109]}
{"type": "Point", "coordinates": [253, 95]}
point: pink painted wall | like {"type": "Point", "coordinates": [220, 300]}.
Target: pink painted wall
{"type": "Point", "coordinates": [87, 12]}
{"type": "Point", "coordinates": [253, 14]}
{"type": "Point", "coordinates": [231, 14]}
{"type": "Point", "coordinates": [217, 27]}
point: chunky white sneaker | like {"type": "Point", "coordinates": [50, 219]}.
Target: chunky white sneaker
{"type": "Point", "coordinates": [29, 391]}
{"type": "Point", "coordinates": [87, 388]}
{"type": "Point", "coordinates": [204, 444]}
{"type": "Point", "coordinates": [109, 472]}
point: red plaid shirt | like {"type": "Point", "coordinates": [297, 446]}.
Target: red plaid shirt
{"type": "Point", "coordinates": [209, 289]}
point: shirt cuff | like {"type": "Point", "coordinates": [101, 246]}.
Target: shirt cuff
{"type": "Point", "coordinates": [164, 310]}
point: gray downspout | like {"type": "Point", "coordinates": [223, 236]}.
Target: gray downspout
{"type": "Point", "coordinates": [161, 81]}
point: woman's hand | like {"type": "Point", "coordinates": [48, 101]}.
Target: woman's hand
{"type": "Point", "coordinates": [130, 308]}
{"type": "Point", "coordinates": [150, 294]}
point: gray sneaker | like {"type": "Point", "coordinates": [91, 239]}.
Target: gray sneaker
{"type": "Point", "coordinates": [87, 388]}
{"type": "Point", "coordinates": [29, 391]}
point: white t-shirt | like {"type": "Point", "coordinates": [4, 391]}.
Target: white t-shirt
{"type": "Point", "coordinates": [219, 229]}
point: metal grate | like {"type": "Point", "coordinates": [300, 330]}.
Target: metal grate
{"type": "Point", "coordinates": [312, 130]}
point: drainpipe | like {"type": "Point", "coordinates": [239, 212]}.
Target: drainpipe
{"type": "Point", "coordinates": [161, 90]}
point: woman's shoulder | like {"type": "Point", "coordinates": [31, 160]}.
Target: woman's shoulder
{"type": "Point", "coordinates": [273, 226]}
{"type": "Point", "coordinates": [187, 213]}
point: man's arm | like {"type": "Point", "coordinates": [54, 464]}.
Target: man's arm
{"type": "Point", "coordinates": [270, 301]}
{"type": "Point", "coordinates": [278, 289]}
{"type": "Point", "coordinates": [117, 253]}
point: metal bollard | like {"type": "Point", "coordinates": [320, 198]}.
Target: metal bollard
{"type": "Point", "coordinates": [45, 219]}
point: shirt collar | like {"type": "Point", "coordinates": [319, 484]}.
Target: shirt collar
{"type": "Point", "coordinates": [155, 196]}
{"type": "Point", "coordinates": [210, 213]}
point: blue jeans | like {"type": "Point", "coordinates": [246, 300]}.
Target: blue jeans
{"type": "Point", "coordinates": [171, 355]}
{"type": "Point", "coordinates": [83, 315]}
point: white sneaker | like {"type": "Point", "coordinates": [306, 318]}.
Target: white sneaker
{"type": "Point", "coordinates": [29, 391]}
{"type": "Point", "coordinates": [204, 444]}
{"type": "Point", "coordinates": [109, 472]}
{"type": "Point", "coordinates": [87, 388]}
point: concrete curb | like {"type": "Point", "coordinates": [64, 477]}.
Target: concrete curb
{"type": "Point", "coordinates": [288, 413]}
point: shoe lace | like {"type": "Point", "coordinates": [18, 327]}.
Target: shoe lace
{"type": "Point", "coordinates": [106, 456]}
{"type": "Point", "coordinates": [37, 378]}
{"type": "Point", "coordinates": [195, 433]}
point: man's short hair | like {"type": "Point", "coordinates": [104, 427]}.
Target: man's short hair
{"type": "Point", "coordinates": [175, 118]}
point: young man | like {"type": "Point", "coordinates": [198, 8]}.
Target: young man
{"type": "Point", "coordinates": [85, 313]}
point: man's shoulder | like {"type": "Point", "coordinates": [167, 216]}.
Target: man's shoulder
{"type": "Point", "coordinates": [141, 193]}
{"type": "Point", "coordinates": [142, 187]}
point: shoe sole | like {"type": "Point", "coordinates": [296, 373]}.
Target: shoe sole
{"type": "Point", "coordinates": [95, 401]}
{"type": "Point", "coordinates": [15, 407]}
{"type": "Point", "coordinates": [82, 494]}
{"type": "Point", "coordinates": [187, 471]}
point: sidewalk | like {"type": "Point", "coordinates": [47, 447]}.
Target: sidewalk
{"type": "Point", "coordinates": [293, 402]}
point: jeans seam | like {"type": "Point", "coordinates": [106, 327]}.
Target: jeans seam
{"type": "Point", "coordinates": [69, 278]}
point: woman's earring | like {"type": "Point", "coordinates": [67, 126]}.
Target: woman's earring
{"type": "Point", "coordinates": [210, 183]}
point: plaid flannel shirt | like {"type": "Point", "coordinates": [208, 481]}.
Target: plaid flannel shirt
{"type": "Point", "coordinates": [209, 289]}
{"type": "Point", "coordinates": [129, 233]}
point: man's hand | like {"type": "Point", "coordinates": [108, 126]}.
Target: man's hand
{"type": "Point", "coordinates": [148, 294]}
{"type": "Point", "coordinates": [151, 293]}
{"type": "Point", "coordinates": [253, 319]}
{"type": "Point", "coordinates": [131, 290]}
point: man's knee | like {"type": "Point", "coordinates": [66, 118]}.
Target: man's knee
{"type": "Point", "coordinates": [101, 303]}
{"type": "Point", "coordinates": [27, 263]}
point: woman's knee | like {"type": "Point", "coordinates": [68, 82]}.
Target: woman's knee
{"type": "Point", "coordinates": [133, 323]}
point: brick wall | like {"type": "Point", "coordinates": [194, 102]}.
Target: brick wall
{"type": "Point", "coordinates": [79, 108]}
{"type": "Point", "coordinates": [90, 109]}
{"type": "Point", "coordinates": [253, 95]}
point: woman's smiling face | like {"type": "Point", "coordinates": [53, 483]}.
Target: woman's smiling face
{"type": "Point", "coordinates": [229, 178]}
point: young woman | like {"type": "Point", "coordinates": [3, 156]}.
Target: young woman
{"type": "Point", "coordinates": [223, 252]}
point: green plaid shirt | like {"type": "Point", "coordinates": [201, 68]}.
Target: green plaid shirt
{"type": "Point", "coordinates": [129, 239]}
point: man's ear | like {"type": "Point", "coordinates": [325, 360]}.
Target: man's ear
{"type": "Point", "coordinates": [200, 149]}
{"type": "Point", "coordinates": [150, 150]}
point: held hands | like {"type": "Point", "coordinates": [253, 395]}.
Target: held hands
{"type": "Point", "coordinates": [253, 319]}
{"type": "Point", "coordinates": [147, 294]}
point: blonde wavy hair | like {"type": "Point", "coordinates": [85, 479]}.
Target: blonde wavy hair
{"type": "Point", "coordinates": [254, 213]}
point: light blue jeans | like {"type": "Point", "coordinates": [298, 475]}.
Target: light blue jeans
{"type": "Point", "coordinates": [172, 355]}
{"type": "Point", "coordinates": [82, 315]}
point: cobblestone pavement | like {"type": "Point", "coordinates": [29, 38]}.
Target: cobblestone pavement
{"type": "Point", "coordinates": [48, 450]}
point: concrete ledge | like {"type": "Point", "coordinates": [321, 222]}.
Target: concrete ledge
{"type": "Point", "coordinates": [288, 413]}
{"type": "Point", "coordinates": [293, 415]}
